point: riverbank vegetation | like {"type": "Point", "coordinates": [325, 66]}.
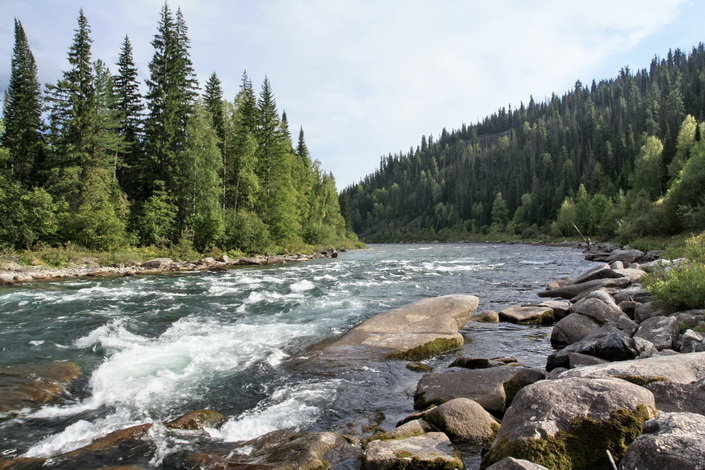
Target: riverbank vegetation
{"type": "Point", "coordinates": [621, 159]}
{"type": "Point", "coordinates": [90, 164]}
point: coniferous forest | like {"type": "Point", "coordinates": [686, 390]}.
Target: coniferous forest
{"type": "Point", "coordinates": [90, 160]}
{"type": "Point", "coordinates": [620, 158]}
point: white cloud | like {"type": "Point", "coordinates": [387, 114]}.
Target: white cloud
{"type": "Point", "coordinates": [368, 77]}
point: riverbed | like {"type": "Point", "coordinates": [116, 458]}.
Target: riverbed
{"type": "Point", "coordinates": [155, 347]}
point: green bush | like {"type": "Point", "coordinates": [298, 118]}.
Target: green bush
{"type": "Point", "coordinates": [682, 287]}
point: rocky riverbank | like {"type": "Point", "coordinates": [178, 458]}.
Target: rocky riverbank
{"type": "Point", "coordinates": [627, 385]}
{"type": "Point", "coordinates": [20, 275]}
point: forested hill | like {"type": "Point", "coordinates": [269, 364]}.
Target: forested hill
{"type": "Point", "coordinates": [91, 161]}
{"type": "Point", "coordinates": [622, 156]}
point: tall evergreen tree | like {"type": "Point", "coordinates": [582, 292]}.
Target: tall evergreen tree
{"type": "Point", "coordinates": [172, 89]}
{"type": "Point", "coordinates": [22, 113]}
{"type": "Point", "coordinates": [130, 107]}
{"type": "Point", "coordinates": [242, 169]}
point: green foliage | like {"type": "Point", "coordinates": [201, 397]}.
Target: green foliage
{"type": "Point", "coordinates": [682, 287]}
{"type": "Point", "coordinates": [157, 224]}
{"type": "Point", "coordinates": [246, 232]}
{"type": "Point", "coordinates": [27, 216]}
{"type": "Point", "coordinates": [648, 172]}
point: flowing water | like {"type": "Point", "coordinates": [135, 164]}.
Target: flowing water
{"type": "Point", "coordinates": [155, 347]}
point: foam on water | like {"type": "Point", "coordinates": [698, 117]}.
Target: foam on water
{"type": "Point", "coordinates": [289, 407]}
{"type": "Point", "coordinates": [302, 286]}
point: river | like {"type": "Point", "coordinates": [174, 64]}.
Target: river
{"type": "Point", "coordinates": [154, 347]}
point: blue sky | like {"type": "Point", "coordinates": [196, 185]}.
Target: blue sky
{"type": "Point", "coordinates": [369, 77]}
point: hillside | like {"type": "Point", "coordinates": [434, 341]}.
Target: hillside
{"type": "Point", "coordinates": [608, 157]}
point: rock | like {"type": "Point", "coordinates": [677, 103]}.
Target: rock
{"type": "Point", "coordinates": [571, 329]}
{"type": "Point", "coordinates": [625, 256]}
{"type": "Point", "coordinates": [413, 332]}
{"type": "Point", "coordinates": [643, 312]}
{"type": "Point", "coordinates": [602, 271]}
{"type": "Point", "coordinates": [645, 348]}
{"type": "Point", "coordinates": [488, 316]}
{"type": "Point", "coordinates": [675, 397]}
{"type": "Point", "coordinates": [581, 360]}
{"type": "Point", "coordinates": [570, 423]}
{"type": "Point", "coordinates": [561, 308]}
{"type": "Point", "coordinates": [625, 324]}
{"type": "Point", "coordinates": [415, 427]}
{"type": "Point", "coordinates": [463, 420]}
{"type": "Point", "coordinates": [558, 283]}
{"type": "Point", "coordinates": [605, 343]}
{"type": "Point", "coordinates": [628, 307]}
{"type": "Point", "coordinates": [32, 385]}
{"type": "Point", "coordinates": [599, 306]}
{"type": "Point", "coordinates": [431, 450]}
{"type": "Point", "coordinates": [690, 318]}
{"type": "Point", "coordinates": [616, 265]}
{"type": "Point", "coordinates": [283, 450]}
{"type": "Point", "coordinates": [510, 463]}
{"type": "Point", "coordinates": [363, 426]}
{"type": "Point", "coordinates": [679, 368]}
{"type": "Point", "coordinates": [110, 442]}
{"type": "Point", "coordinates": [157, 263]}
{"type": "Point", "coordinates": [661, 331]}
{"type": "Point", "coordinates": [493, 388]}
{"type": "Point", "coordinates": [197, 420]}
{"type": "Point", "coordinates": [23, 463]}
{"type": "Point", "coordinates": [673, 441]}
{"type": "Point", "coordinates": [632, 293]}
{"type": "Point", "coordinates": [419, 367]}
{"type": "Point", "coordinates": [7, 278]}
{"type": "Point", "coordinates": [476, 363]}
{"type": "Point", "coordinates": [692, 341]}
{"type": "Point", "coordinates": [555, 373]}
{"type": "Point", "coordinates": [632, 273]}
{"type": "Point", "coordinates": [530, 315]}
{"type": "Point", "coordinates": [568, 292]}
{"type": "Point", "coordinates": [206, 261]}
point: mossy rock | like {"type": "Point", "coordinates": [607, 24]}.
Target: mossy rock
{"type": "Point", "coordinates": [581, 446]}
{"type": "Point", "coordinates": [640, 380]}
{"type": "Point", "coordinates": [430, 349]}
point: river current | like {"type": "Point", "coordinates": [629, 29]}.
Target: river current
{"type": "Point", "coordinates": [155, 347]}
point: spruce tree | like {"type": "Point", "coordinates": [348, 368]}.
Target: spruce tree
{"type": "Point", "coordinates": [22, 113]}
{"type": "Point", "coordinates": [130, 107]}
{"type": "Point", "coordinates": [242, 168]}
{"type": "Point", "coordinates": [170, 96]}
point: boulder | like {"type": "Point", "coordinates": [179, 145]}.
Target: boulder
{"type": "Point", "coordinates": [415, 427]}
{"type": "Point", "coordinates": [599, 306]}
{"type": "Point", "coordinates": [645, 348]}
{"type": "Point", "coordinates": [679, 368]}
{"type": "Point", "coordinates": [625, 256]}
{"type": "Point", "coordinates": [157, 263]}
{"type": "Point", "coordinates": [582, 360]}
{"type": "Point", "coordinates": [463, 420]}
{"type": "Point", "coordinates": [571, 423]}
{"type": "Point", "coordinates": [570, 291]}
{"type": "Point", "coordinates": [431, 450]}
{"type": "Point", "coordinates": [529, 315]}
{"type": "Point", "coordinates": [644, 311]}
{"type": "Point", "coordinates": [690, 318]}
{"type": "Point", "coordinates": [600, 271]}
{"type": "Point", "coordinates": [675, 397]}
{"type": "Point", "coordinates": [692, 341]}
{"type": "Point", "coordinates": [633, 274]}
{"type": "Point", "coordinates": [197, 420]}
{"type": "Point", "coordinates": [510, 463]}
{"type": "Point", "coordinates": [493, 388]}
{"type": "Point", "coordinates": [661, 331]}
{"type": "Point", "coordinates": [488, 316]}
{"type": "Point", "coordinates": [616, 265]}
{"type": "Point", "coordinates": [572, 328]}
{"type": "Point", "coordinates": [673, 441]}
{"type": "Point", "coordinates": [558, 283]}
{"type": "Point", "coordinates": [32, 385]}
{"type": "Point", "coordinates": [413, 332]}
{"type": "Point", "coordinates": [607, 343]}
{"type": "Point", "coordinates": [634, 293]}
{"type": "Point", "coordinates": [561, 308]}
{"type": "Point", "coordinates": [363, 426]}
{"type": "Point", "coordinates": [628, 307]}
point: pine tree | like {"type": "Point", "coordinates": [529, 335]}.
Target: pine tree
{"type": "Point", "coordinates": [130, 107]}
{"type": "Point", "coordinates": [22, 113]}
{"type": "Point", "coordinates": [169, 100]}
{"type": "Point", "coordinates": [242, 168]}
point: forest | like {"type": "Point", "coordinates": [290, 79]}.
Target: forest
{"type": "Point", "coordinates": [619, 159]}
{"type": "Point", "coordinates": [91, 161]}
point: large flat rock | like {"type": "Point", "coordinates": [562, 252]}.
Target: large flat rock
{"type": "Point", "coordinates": [28, 386]}
{"type": "Point", "coordinates": [679, 368]}
{"type": "Point", "coordinates": [415, 331]}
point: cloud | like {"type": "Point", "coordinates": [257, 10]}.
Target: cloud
{"type": "Point", "coordinates": [365, 77]}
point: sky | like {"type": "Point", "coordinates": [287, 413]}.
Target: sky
{"type": "Point", "coordinates": [365, 78]}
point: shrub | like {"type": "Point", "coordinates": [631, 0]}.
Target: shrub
{"type": "Point", "coordinates": [682, 287]}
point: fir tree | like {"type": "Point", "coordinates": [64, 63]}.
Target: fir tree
{"type": "Point", "coordinates": [242, 168]}
{"type": "Point", "coordinates": [22, 113]}
{"type": "Point", "coordinates": [130, 107]}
